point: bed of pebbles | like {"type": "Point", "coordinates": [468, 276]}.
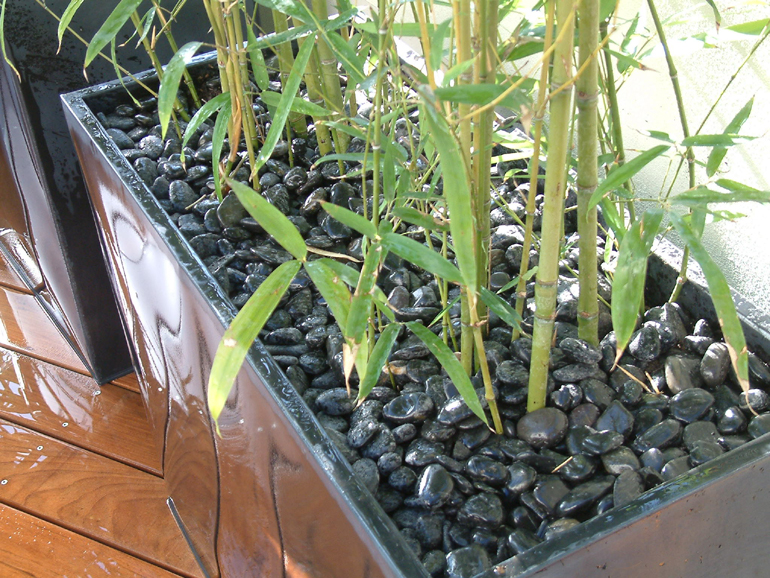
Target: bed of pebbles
{"type": "Point", "coordinates": [463, 497]}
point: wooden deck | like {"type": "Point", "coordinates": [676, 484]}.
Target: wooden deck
{"type": "Point", "coordinates": [81, 482]}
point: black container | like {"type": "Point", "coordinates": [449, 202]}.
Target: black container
{"type": "Point", "coordinates": [274, 461]}
{"type": "Point", "coordinates": [44, 176]}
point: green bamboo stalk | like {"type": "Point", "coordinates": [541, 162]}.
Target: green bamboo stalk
{"type": "Point", "coordinates": [285, 64]}
{"type": "Point", "coordinates": [313, 83]}
{"type": "Point", "coordinates": [617, 128]}
{"type": "Point", "coordinates": [689, 154]}
{"type": "Point", "coordinates": [213, 11]}
{"type": "Point", "coordinates": [172, 43]}
{"type": "Point", "coordinates": [587, 179]}
{"type": "Point", "coordinates": [555, 186]}
{"type": "Point", "coordinates": [331, 90]}
{"type": "Point", "coordinates": [534, 166]}
{"type": "Point", "coordinates": [487, 12]}
{"type": "Point", "coordinates": [462, 17]}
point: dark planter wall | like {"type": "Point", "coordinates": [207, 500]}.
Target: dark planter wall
{"type": "Point", "coordinates": [41, 174]}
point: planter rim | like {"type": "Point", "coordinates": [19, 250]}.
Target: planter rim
{"type": "Point", "coordinates": [383, 531]}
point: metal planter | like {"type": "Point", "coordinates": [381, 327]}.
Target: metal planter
{"type": "Point", "coordinates": [273, 497]}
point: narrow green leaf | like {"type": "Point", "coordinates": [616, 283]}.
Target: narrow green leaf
{"type": "Point", "coordinates": [332, 288]}
{"type": "Point", "coordinates": [456, 191]}
{"type": "Point", "coordinates": [718, 154]}
{"type": "Point", "coordinates": [457, 70]}
{"type": "Point", "coordinates": [437, 39]}
{"type": "Point", "coordinates": [485, 93]}
{"type": "Point", "coordinates": [350, 276]}
{"type": "Point", "coordinates": [405, 29]}
{"type": "Point", "coordinates": [110, 28]}
{"type": "Point", "coordinates": [170, 85]}
{"type": "Point", "coordinates": [415, 217]}
{"type": "Point", "coordinates": [722, 299]}
{"type": "Point", "coordinates": [203, 113]}
{"type": "Point", "coordinates": [284, 105]}
{"type": "Point", "coordinates": [717, 15]}
{"type": "Point", "coordinates": [422, 256]}
{"type": "Point", "coordinates": [523, 49]}
{"type": "Point", "coordinates": [620, 174]}
{"type": "Point", "coordinates": [389, 174]}
{"type": "Point", "coordinates": [146, 23]}
{"type": "Point", "coordinates": [273, 40]}
{"type": "Point", "coordinates": [451, 365]}
{"type": "Point", "coordinates": [378, 359]}
{"type": "Point", "coordinates": [271, 219]}
{"type": "Point", "coordinates": [258, 66]}
{"type": "Point", "coordinates": [66, 18]}
{"type": "Point", "coordinates": [753, 28]}
{"type": "Point", "coordinates": [630, 276]}
{"type": "Point", "coordinates": [500, 307]}
{"type": "Point", "coordinates": [702, 196]}
{"type": "Point", "coordinates": [347, 56]}
{"type": "Point", "coordinates": [716, 140]}
{"type": "Point", "coordinates": [293, 8]}
{"type": "Point", "coordinates": [300, 105]}
{"type": "Point", "coordinates": [242, 332]}
{"type": "Point", "coordinates": [217, 143]}
{"type": "Point", "coordinates": [351, 219]}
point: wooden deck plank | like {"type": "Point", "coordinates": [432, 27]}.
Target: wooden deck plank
{"type": "Point", "coordinates": [99, 498]}
{"type": "Point", "coordinates": [110, 420]}
{"type": "Point", "coordinates": [26, 328]}
{"type": "Point", "coordinates": [129, 382]}
{"type": "Point", "coordinates": [33, 548]}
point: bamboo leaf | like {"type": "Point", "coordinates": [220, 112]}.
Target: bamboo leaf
{"type": "Point", "coordinates": [258, 66]}
{"type": "Point", "coordinates": [332, 288]}
{"type": "Point", "coordinates": [753, 28]}
{"type": "Point", "coordinates": [457, 193]}
{"type": "Point", "coordinates": [351, 219]}
{"type": "Point", "coordinates": [66, 18]}
{"type": "Point", "coordinates": [350, 276]}
{"type": "Point", "coordinates": [630, 276]}
{"type": "Point", "coordinates": [110, 28]}
{"type": "Point", "coordinates": [203, 113]}
{"type": "Point", "coordinates": [437, 39]}
{"type": "Point", "coordinates": [273, 40]}
{"type": "Point", "coordinates": [2, 40]}
{"type": "Point", "coordinates": [284, 105]}
{"type": "Point", "coordinates": [451, 365]}
{"type": "Point", "coordinates": [273, 99]}
{"type": "Point", "coordinates": [242, 332]}
{"type": "Point", "coordinates": [170, 84]}
{"type": "Point", "coordinates": [524, 49]}
{"type": "Point", "coordinates": [377, 359]}
{"type": "Point", "coordinates": [422, 256]}
{"type": "Point", "coordinates": [717, 15]}
{"type": "Point", "coordinates": [270, 219]}
{"type": "Point", "coordinates": [293, 8]}
{"type": "Point", "coordinates": [146, 24]}
{"type": "Point", "coordinates": [718, 154]}
{"type": "Point", "coordinates": [716, 140]}
{"type": "Point", "coordinates": [217, 143]}
{"type": "Point", "coordinates": [485, 93]}
{"type": "Point", "coordinates": [500, 307]}
{"type": "Point", "coordinates": [348, 57]}
{"type": "Point", "coordinates": [456, 71]}
{"type": "Point", "coordinates": [702, 196]}
{"type": "Point", "coordinates": [415, 217]}
{"type": "Point", "coordinates": [722, 299]}
{"type": "Point", "coordinates": [621, 173]}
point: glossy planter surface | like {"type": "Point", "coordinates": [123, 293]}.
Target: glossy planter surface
{"type": "Point", "coordinates": [273, 497]}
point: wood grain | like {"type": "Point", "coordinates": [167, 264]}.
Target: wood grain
{"type": "Point", "coordinates": [71, 407]}
{"type": "Point", "coordinates": [26, 328]}
{"type": "Point", "coordinates": [99, 498]}
{"type": "Point", "coordinates": [129, 382]}
{"type": "Point", "coordinates": [33, 548]}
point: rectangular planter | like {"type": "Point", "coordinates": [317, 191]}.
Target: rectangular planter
{"type": "Point", "coordinates": [273, 497]}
